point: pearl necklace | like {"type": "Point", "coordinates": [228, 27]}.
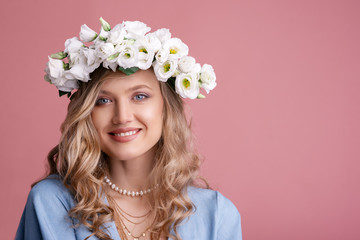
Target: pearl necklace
{"type": "Point", "coordinates": [128, 192]}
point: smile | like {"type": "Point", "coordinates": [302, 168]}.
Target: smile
{"type": "Point", "coordinates": [125, 136]}
{"type": "Point", "coordinates": [125, 133]}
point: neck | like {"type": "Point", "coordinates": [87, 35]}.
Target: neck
{"type": "Point", "coordinates": [133, 174]}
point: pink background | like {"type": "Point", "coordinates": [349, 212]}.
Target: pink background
{"type": "Point", "coordinates": [280, 134]}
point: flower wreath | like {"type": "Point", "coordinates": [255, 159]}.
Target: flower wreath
{"type": "Point", "coordinates": [129, 47]}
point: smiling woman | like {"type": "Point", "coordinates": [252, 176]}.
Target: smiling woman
{"type": "Point", "coordinates": [128, 115]}
{"type": "Point", "coordinates": [125, 166]}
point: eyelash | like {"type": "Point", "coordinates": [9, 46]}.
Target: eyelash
{"type": "Point", "coordinates": [145, 96]}
{"type": "Point", "coordinates": [141, 94]}
{"type": "Point", "coordinates": [97, 103]}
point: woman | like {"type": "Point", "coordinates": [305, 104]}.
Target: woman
{"type": "Point", "coordinates": [125, 167]}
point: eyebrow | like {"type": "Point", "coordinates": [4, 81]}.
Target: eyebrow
{"type": "Point", "coordinates": [130, 89]}
{"type": "Point", "coordinates": [138, 87]}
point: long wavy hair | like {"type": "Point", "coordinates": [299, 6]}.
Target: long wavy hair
{"type": "Point", "coordinates": [81, 164]}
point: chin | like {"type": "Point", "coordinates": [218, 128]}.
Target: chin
{"type": "Point", "coordinates": [131, 152]}
{"type": "Point", "coordinates": [128, 154]}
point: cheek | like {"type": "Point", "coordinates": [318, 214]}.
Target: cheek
{"type": "Point", "coordinates": [94, 119]}
{"type": "Point", "coordinates": [98, 120]}
{"type": "Point", "coordinates": [153, 117]}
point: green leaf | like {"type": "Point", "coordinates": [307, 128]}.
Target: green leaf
{"type": "Point", "coordinates": [61, 93]}
{"type": "Point", "coordinates": [128, 71]}
{"type": "Point", "coordinates": [59, 55]}
{"type": "Point", "coordinates": [66, 66]}
{"type": "Point", "coordinates": [171, 82]}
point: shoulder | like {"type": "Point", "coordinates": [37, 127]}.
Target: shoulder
{"type": "Point", "coordinates": [211, 199]}
{"type": "Point", "coordinates": [45, 215]}
{"type": "Point", "coordinates": [49, 191]}
{"type": "Point", "coordinates": [214, 217]}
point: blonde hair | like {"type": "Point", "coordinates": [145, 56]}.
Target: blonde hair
{"type": "Point", "coordinates": [81, 164]}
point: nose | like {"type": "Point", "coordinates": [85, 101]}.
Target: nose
{"type": "Point", "coordinates": [122, 113]}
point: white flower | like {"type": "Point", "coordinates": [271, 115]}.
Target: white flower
{"type": "Point", "coordinates": [145, 60]}
{"type": "Point", "coordinates": [146, 54]}
{"type": "Point", "coordinates": [135, 29]}
{"type": "Point", "coordinates": [55, 67]}
{"type": "Point", "coordinates": [153, 42]}
{"type": "Point", "coordinates": [176, 48]}
{"type": "Point", "coordinates": [129, 45]}
{"type": "Point", "coordinates": [60, 81]}
{"type": "Point", "coordinates": [128, 56]}
{"type": "Point", "coordinates": [116, 35]}
{"type": "Point", "coordinates": [77, 58]}
{"type": "Point", "coordinates": [103, 36]}
{"type": "Point", "coordinates": [112, 65]}
{"type": "Point", "coordinates": [162, 55]}
{"type": "Point", "coordinates": [68, 85]}
{"type": "Point", "coordinates": [92, 59]}
{"type": "Point", "coordinates": [111, 61]}
{"type": "Point", "coordinates": [187, 85]}
{"type": "Point", "coordinates": [165, 70]}
{"type": "Point", "coordinates": [104, 50]}
{"type": "Point", "coordinates": [73, 45]}
{"type": "Point", "coordinates": [90, 56]}
{"type": "Point", "coordinates": [207, 78]}
{"type": "Point", "coordinates": [196, 68]}
{"type": "Point", "coordinates": [186, 64]}
{"type": "Point", "coordinates": [162, 34]}
{"type": "Point", "coordinates": [55, 74]}
{"type": "Point", "coordinates": [77, 72]}
{"type": "Point", "coordinates": [87, 34]}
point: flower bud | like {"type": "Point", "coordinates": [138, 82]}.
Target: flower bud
{"type": "Point", "coordinates": [105, 25]}
{"type": "Point", "coordinates": [102, 38]}
{"type": "Point", "coordinates": [87, 34]}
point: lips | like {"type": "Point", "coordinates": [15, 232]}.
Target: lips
{"type": "Point", "coordinates": [124, 130]}
{"type": "Point", "coordinates": [124, 134]}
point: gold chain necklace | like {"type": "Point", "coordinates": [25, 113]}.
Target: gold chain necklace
{"type": "Point", "coordinates": [136, 223]}
{"type": "Point", "coordinates": [122, 210]}
{"type": "Point", "coordinates": [122, 227]}
{"type": "Point", "coordinates": [130, 233]}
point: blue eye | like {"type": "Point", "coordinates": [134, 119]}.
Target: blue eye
{"type": "Point", "coordinates": [140, 97]}
{"type": "Point", "coordinates": [102, 101]}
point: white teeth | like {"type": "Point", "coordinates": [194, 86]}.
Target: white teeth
{"type": "Point", "coordinates": [125, 134]}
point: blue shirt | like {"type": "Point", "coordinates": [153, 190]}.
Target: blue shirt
{"type": "Point", "coordinates": [46, 216]}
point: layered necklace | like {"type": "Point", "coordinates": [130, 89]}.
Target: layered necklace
{"type": "Point", "coordinates": [124, 231]}
{"type": "Point", "coordinates": [120, 215]}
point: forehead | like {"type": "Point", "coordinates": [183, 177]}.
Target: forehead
{"type": "Point", "coordinates": [121, 82]}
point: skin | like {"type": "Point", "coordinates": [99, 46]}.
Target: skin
{"type": "Point", "coordinates": [130, 101]}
